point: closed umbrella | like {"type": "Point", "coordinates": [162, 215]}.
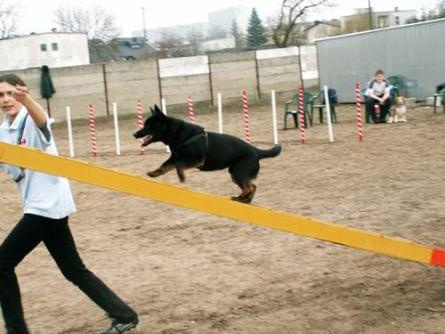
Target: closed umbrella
{"type": "Point", "coordinates": [46, 86]}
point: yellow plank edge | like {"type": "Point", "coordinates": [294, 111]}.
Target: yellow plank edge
{"type": "Point", "coordinates": [215, 205]}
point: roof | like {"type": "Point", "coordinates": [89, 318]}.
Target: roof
{"type": "Point", "coordinates": [379, 30]}
{"type": "Point", "coordinates": [43, 33]}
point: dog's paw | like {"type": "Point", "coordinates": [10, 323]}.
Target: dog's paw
{"type": "Point", "coordinates": [153, 174]}
{"type": "Point", "coordinates": [241, 199]}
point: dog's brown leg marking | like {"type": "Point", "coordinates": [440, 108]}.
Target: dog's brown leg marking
{"type": "Point", "coordinates": [180, 170]}
{"type": "Point", "coordinates": [247, 194]}
{"type": "Point", "coordinates": [165, 168]}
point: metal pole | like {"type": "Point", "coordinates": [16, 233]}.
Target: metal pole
{"type": "Point", "coordinates": [164, 110]}
{"type": "Point", "coordinates": [274, 117]}
{"type": "Point", "coordinates": [328, 114]}
{"type": "Point", "coordinates": [370, 15]}
{"type": "Point", "coordinates": [116, 129]}
{"type": "Point", "coordinates": [220, 114]}
{"type": "Point", "coordinates": [70, 131]}
{"type": "Point", "coordinates": [143, 23]}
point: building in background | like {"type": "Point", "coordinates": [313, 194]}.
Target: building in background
{"type": "Point", "coordinates": [121, 48]}
{"type": "Point", "coordinates": [54, 49]}
{"type": "Point", "coordinates": [218, 25]}
{"type": "Point", "coordinates": [223, 19]}
{"type": "Point", "coordinates": [320, 29]}
{"type": "Point", "coordinates": [359, 21]}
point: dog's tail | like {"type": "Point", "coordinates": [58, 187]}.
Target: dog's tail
{"type": "Point", "coordinates": [273, 152]}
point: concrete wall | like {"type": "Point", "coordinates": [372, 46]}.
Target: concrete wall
{"type": "Point", "coordinates": [174, 79]}
{"type": "Point", "coordinates": [233, 72]}
{"type": "Point", "coordinates": [129, 81]}
{"type": "Point", "coordinates": [278, 69]}
{"type": "Point", "coordinates": [181, 77]}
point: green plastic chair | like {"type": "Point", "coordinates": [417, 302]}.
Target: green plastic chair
{"type": "Point", "coordinates": [321, 106]}
{"type": "Point", "coordinates": [442, 100]}
{"type": "Point", "coordinates": [291, 108]}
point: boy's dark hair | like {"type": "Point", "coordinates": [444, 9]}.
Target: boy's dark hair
{"type": "Point", "coordinates": [379, 72]}
{"type": "Point", "coordinates": [12, 79]}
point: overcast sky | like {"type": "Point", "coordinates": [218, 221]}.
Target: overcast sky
{"type": "Point", "coordinates": [37, 16]}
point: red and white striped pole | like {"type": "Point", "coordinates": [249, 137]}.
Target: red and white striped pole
{"type": "Point", "coordinates": [92, 120]}
{"type": "Point", "coordinates": [358, 109]}
{"type": "Point", "coordinates": [301, 114]}
{"type": "Point", "coordinates": [140, 119]}
{"type": "Point", "coordinates": [191, 111]}
{"type": "Point", "coordinates": [246, 117]}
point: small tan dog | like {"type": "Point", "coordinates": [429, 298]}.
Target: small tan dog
{"type": "Point", "coordinates": [399, 112]}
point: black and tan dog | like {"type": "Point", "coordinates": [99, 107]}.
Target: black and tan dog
{"type": "Point", "coordinates": [192, 147]}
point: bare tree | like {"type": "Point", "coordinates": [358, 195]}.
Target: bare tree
{"type": "Point", "coordinates": [8, 18]}
{"type": "Point", "coordinates": [169, 41]}
{"type": "Point", "coordinates": [96, 22]}
{"type": "Point", "coordinates": [194, 37]}
{"type": "Point", "coordinates": [292, 12]}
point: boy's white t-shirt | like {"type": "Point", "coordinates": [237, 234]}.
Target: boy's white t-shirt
{"type": "Point", "coordinates": [43, 194]}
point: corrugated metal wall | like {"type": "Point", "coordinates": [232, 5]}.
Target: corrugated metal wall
{"type": "Point", "coordinates": [415, 51]}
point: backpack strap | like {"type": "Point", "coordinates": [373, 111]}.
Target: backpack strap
{"type": "Point", "coordinates": [21, 130]}
{"type": "Point", "coordinates": [21, 176]}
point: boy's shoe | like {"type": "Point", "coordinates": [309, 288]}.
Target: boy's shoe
{"type": "Point", "coordinates": [117, 327]}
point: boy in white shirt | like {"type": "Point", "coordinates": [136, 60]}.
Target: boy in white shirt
{"type": "Point", "coordinates": [378, 93]}
{"type": "Point", "coordinates": [47, 204]}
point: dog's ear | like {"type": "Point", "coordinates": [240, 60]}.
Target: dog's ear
{"type": "Point", "coordinates": [158, 112]}
{"type": "Point", "coordinates": [152, 111]}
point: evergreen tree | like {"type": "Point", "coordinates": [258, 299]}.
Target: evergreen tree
{"type": "Point", "coordinates": [256, 33]}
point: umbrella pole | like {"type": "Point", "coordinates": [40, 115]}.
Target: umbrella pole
{"type": "Point", "coordinates": [48, 108]}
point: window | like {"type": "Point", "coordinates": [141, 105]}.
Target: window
{"type": "Point", "coordinates": [397, 20]}
{"type": "Point", "coordinates": [54, 46]}
{"type": "Point", "coordinates": [383, 21]}
{"type": "Point", "coordinates": [43, 47]}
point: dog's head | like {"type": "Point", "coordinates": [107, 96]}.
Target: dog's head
{"type": "Point", "coordinates": [155, 127]}
{"type": "Point", "coordinates": [400, 100]}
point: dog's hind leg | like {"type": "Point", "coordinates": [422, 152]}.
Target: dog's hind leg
{"type": "Point", "coordinates": [248, 191]}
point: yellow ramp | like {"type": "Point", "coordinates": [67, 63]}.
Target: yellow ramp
{"type": "Point", "coordinates": [216, 205]}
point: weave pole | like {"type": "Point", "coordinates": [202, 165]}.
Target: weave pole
{"type": "Point", "coordinates": [220, 114]}
{"type": "Point", "coordinates": [301, 114]}
{"type": "Point", "coordinates": [246, 117]}
{"type": "Point", "coordinates": [358, 110]}
{"type": "Point", "coordinates": [274, 116]}
{"type": "Point", "coordinates": [140, 121]}
{"type": "Point", "coordinates": [164, 111]}
{"type": "Point", "coordinates": [70, 131]}
{"type": "Point", "coordinates": [328, 114]}
{"type": "Point", "coordinates": [191, 110]}
{"type": "Point", "coordinates": [92, 120]}
{"type": "Point", "coordinates": [116, 129]}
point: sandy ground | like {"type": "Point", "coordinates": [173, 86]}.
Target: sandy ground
{"type": "Point", "coordinates": [188, 272]}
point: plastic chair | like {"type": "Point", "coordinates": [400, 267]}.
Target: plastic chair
{"type": "Point", "coordinates": [405, 86]}
{"type": "Point", "coordinates": [333, 100]}
{"type": "Point", "coordinates": [291, 108]}
{"type": "Point", "coordinates": [440, 94]}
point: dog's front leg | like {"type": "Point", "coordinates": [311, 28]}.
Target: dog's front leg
{"type": "Point", "coordinates": [164, 168]}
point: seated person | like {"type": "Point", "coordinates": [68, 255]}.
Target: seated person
{"type": "Point", "coordinates": [378, 93]}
